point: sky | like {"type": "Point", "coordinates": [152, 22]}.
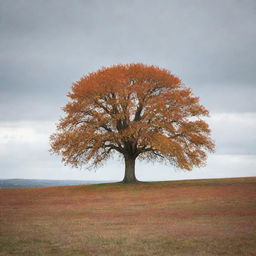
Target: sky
{"type": "Point", "coordinates": [47, 45]}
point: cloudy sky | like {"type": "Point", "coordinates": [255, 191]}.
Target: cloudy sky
{"type": "Point", "coordinates": [46, 45]}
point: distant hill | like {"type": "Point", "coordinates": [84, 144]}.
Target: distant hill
{"type": "Point", "coordinates": [32, 183]}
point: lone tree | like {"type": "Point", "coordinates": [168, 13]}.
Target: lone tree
{"type": "Point", "coordinates": [136, 110]}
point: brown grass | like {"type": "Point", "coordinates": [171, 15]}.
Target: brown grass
{"type": "Point", "coordinates": [197, 217]}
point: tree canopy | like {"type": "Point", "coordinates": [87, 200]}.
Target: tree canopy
{"type": "Point", "coordinates": [136, 110]}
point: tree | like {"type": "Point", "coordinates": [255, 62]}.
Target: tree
{"type": "Point", "coordinates": [136, 110]}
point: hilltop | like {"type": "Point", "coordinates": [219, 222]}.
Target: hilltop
{"type": "Point", "coordinates": [193, 217]}
{"type": "Point", "coordinates": [31, 183]}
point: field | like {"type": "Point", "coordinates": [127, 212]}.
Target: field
{"type": "Point", "coordinates": [196, 217]}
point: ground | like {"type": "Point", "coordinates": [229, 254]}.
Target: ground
{"type": "Point", "coordinates": [197, 217]}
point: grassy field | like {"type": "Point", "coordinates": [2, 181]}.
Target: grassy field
{"type": "Point", "coordinates": [196, 217]}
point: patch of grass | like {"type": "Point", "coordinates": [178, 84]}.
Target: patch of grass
{"type": "Point", "coordinates": [196, 217]}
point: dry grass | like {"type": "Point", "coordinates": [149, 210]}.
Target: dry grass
{"type": "Point", "coordinates": [200, 217]}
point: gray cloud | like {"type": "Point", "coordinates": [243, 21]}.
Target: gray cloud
{"type": "Point", "coordinates": [24, 153]}
{"type": "Point", "coordinates": [46, 45]}
{"type": "Point", "coordinates": [234, 133]}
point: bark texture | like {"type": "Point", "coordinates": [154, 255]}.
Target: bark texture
{"type": "Point", "coordinates": [129, 176]}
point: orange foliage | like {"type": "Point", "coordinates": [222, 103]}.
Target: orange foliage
{"type": "Point", "coordinates": [136, 110]}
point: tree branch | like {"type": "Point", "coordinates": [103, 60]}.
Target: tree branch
{"type": "Point", "coordinates": [145, 149]}
{"type": "Point", "coordinates": [106, 128]}
{"type": "Point", "coordinates": [112, 146]}
{"type": "Point", "coordinates": [137, 116]}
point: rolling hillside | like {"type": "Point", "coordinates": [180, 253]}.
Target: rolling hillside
{"type": "Point", "coordinates": [33, 183]}
{"type": "Point", "coordinates": [194, 217]}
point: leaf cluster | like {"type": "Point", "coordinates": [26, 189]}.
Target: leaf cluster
{"type": "Point", "coordinates": [136, 110]}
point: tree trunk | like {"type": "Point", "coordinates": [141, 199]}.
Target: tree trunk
{"type": "Point", "coordinates": [129, 176]}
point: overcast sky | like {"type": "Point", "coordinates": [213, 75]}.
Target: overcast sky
{"type": "Point", "coordinates": [47, 45]}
